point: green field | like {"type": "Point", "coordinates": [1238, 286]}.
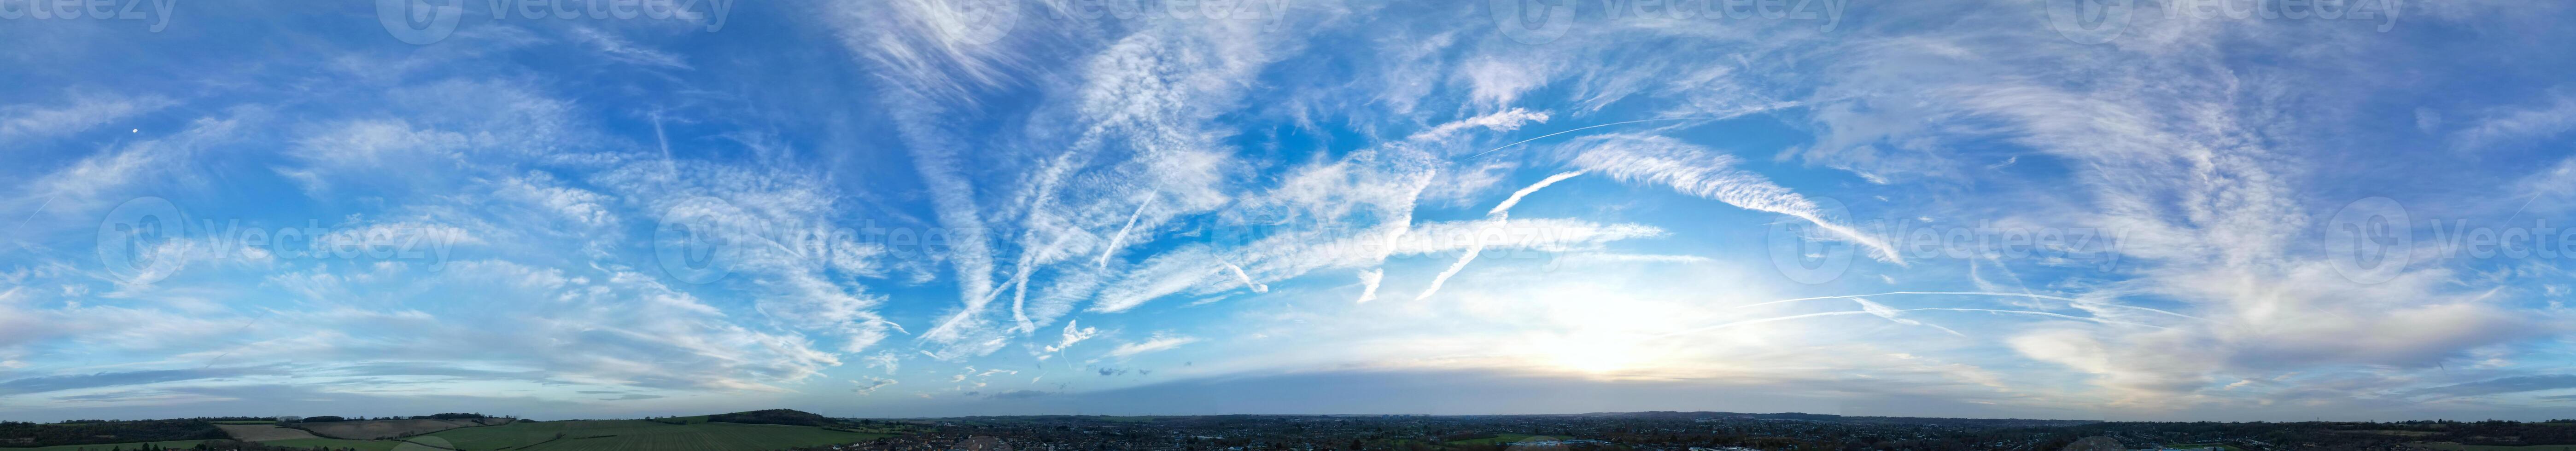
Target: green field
{"type": "Point", "coordinates": [238, 422]}
{"type": "Point", "coordinates": [2459, 447]}
{"type": "Point", "coordinates": [333, 443]}
{"type": "Point", "coordinates": [118, 446]}
{"type": "Point", "coordinates": [2205, 446]}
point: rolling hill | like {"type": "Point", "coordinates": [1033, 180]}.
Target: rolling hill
{"type": "Point", "coordinates": [743, 431]}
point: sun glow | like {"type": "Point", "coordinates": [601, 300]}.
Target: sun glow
{"type": "Point", "coordinates": [1594, 353]}
{"type": "Point", "coordinates": [1608, 336]}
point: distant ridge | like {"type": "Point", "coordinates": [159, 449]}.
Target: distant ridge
{"type": "Point", "coordinates": [776, 416]}
{"type": "Point", "coordinates": [1845, 419]}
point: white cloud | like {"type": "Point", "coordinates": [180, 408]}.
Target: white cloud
{"type": "Point", "coordinates": [1500, 213]}
{"type": "Point", "coordinates": [871, 385]}
{"type": "Point", "coordinates": [1160, 342]}
{"type": "Point", "coordinates": [622, 50]}
{"type": "Point", "coordinates": [1697, 171]}
{"type": "Point", "coordinates": [1502, 121]}
{"type": "Point", "coordinates": [24, 123]}
{"type": "Point", "coordinates": [1369, 281]}
{"type": "Point", "coordinates": [2512, 125]}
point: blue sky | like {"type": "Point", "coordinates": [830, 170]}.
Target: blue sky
{"type": "Point", "coordinates": [2228, 211]}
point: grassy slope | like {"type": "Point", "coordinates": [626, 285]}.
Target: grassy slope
{"type": "Point", "coordinates": [607, 435]}
{"type": "Point", "coordinates": [361, 445]}
{"type": "Point", "coordinates": [2460, 447]}
{"type": "Point", "coordinates": [2205, 446]}
{"type": "Point", "coordinates": [333, 443]}
{"type": "Point", "coordinates": [170, 444]}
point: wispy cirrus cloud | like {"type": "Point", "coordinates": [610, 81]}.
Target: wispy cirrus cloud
{"type": "Point", "coordinates": [84, 110]}
{"type": "Point", "coordinates": [1159, 342]}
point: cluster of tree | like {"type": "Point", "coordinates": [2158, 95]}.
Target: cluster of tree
{"type": "Point", "coordinates": [234, 418]}
{"type": "Point", "coordinates": [775, 416]}
{"type": "Point", "coordinates": [2335, 435]}
{"type": "Point", "coordinates": [329, 418]}
{"type": "Point", "coordinates": [677, 420]}
{"type": "Point", "coordinates": [228, 445]}
{"type": "Point", "coordinates": [2506, 433]}
{"type": "Point", "coordinates": [101, 432]}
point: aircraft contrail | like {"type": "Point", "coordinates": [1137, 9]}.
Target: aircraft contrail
{"type": "Point", "coordinates": [1114, 240]}
{"type": "Point", "coordinates": [2028, 312]}
{"type": "Point", "coordinates": [1540, 137]}
{"type": "Point", "coordinates": [1722, 115]}
{"type": "Point", "coordinates": [1247, 278]}
{"type": "Point", "coordinates": [1866, 312]}
{"type": "Point", "coordinates": [1756, 321]}
{"type": "Point", "coordinates": [1977, 293]}
{"type": "Point", "coordinates": [1500, 212]}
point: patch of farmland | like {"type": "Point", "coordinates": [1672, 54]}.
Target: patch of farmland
{"type": "Point", "coordinates": [263, 432]}
{"type": "Point", "coordinates": [2459, 447]}
{"type": "Point", "coordinates": [115, 446]}
{"type": "Point", "coordinates": [385, 429]}
{"type": "Point", "coordinates": [681, 420]}
{"type": "Point", "coordinates": [339, 444]}
{"type": "Point", "coordinates": [529, 433]}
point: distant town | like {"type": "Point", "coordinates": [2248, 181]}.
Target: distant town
{"type": "Point", "coordinates": [1704, 431]}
